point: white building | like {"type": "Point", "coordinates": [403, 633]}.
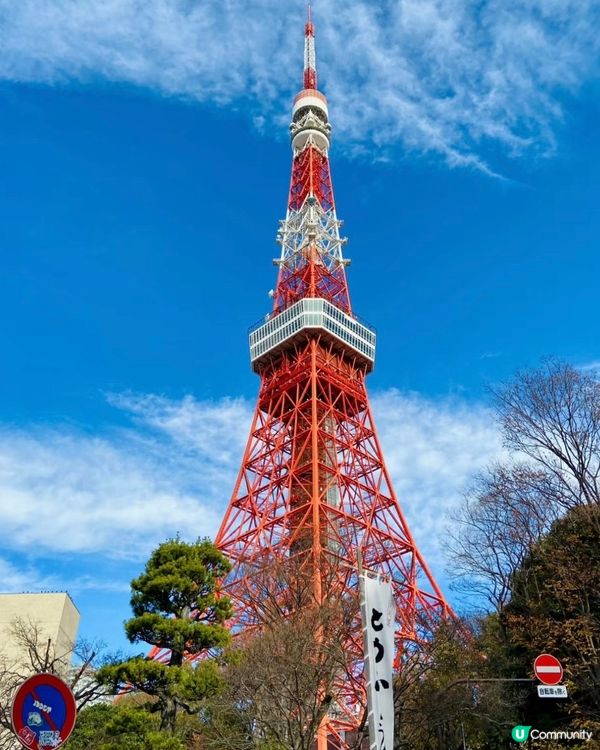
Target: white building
{"type": "Point", "coordinates": [55, 617]}
{"type": "Point", "coordinates": [46, 621]}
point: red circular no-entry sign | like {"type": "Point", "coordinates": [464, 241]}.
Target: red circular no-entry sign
{"type": "Point", "coordinates": [548, 669]}
{"type": "Point", "coordinates": [43, 712]}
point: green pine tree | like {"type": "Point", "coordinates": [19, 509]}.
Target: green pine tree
{"type": "Point", "coordinates": [177, 606]}
{"type": "Point", "coordinates": [122, 726]}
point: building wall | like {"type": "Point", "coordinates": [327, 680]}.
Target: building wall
{"type": "Point", "coordinates": [56, 616]}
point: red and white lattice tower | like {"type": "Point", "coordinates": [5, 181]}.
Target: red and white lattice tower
{"type": "Point", "coordinates": [313, 482]}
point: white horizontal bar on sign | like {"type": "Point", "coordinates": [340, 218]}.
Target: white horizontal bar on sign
{"type": "Point", "coordinates": [548, 670]}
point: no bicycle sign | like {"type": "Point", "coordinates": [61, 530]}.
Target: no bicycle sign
{"type": "Point", "coordinates": [43, 712]}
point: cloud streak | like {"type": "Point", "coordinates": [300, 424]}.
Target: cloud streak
{"type": "Point", "coordinates": [172, 470]}
{"type": "Point", "coordinates": [62, 491]}
{"type": "Point", "coordinates": [437, 76]}
{"type": "Point", "coordinates": [15, 579]}
{"type": "Point", "coordinates": [432, 450]}
{"type": "Point", "coordinates": [591, 367]}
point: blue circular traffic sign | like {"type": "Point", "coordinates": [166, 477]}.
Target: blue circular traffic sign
{"type": "Point", "coordinates": [43, 712]}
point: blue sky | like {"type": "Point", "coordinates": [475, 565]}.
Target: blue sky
{"type": "Point", "coordinates": [144, 165]}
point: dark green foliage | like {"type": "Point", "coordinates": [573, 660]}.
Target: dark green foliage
{"type": "Point", "coordinates": [175, 602]}
{"type": "Point", "coordinates": [555, 608]}
{"type": "Point", "coordinates": [176, 606]}
{"type": "Point", "coordinates": [442, 690]}
{"type": "Point", "coordinates": [90, 728]}
{"type": "Point", "coordinates": [121, 727]}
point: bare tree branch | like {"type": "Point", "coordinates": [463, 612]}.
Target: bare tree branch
{"type": "Point", "coordinates": [34, 653]}
{"type": "Point", "coordinates": [552, 415]}
{"type": "Point", "coordinates": [286, 674]}
{"type": "Point", "coordinates": [504, 513]}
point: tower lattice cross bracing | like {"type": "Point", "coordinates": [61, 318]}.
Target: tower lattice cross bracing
{"type": "Point", "coordinates": [313, 483]}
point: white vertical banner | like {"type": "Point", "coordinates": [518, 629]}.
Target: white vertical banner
{"type": "Point", "coordinates": [379, 622]}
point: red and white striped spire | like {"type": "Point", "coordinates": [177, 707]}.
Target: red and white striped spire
{"type": "Point", "coordinates": [312, 263]}
{"type": "Point", "coordinates": [310, 57]}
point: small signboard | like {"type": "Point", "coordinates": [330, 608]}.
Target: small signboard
{"type": "Point", "coordinates": [43, 712]}
{"type": "Point", "coordinates": [548, 669]}
{"type": "Point", "coordinates": [552, 691]}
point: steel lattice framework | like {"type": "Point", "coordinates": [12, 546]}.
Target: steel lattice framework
{"type": "Point", "coordinates": [313, 482]}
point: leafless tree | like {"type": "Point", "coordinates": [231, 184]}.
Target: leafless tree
{"type": "Point", "coordinates": [552, 415]}
{"type": "Point", "coordinates": [33, 653]}
{"type": "Point", "coordinates": [285, 675]}
{"type": "Point", "coordinates": [550, 418]}
{"type": "Point", "coordinates": [505, 511]}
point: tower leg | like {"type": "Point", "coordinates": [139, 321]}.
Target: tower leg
{"type": "Point", "coordinates": [322, 735]}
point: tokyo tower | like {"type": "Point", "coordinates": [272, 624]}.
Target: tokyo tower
{"type": "Point", "coordinates": [313, 482]}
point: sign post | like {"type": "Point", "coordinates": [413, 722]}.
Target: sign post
{"type": "Point", "coordinates": [549, 671]}
{"type": "Point", "coordinates": [43, 712]}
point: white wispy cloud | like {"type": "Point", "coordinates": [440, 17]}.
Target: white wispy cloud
{"type": "Point", "coordinates": [18, 578]}
{"type": "Point", "coordinates": [442, 76]}
{"type": "Point", "coordinates": [592, 367]}
{"type": "Point", "coordinates": [63, 491]}
{"type": "Point", "coordinates": [118, 494]}
{"type": "Point", "coordinates": [432, 450]}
